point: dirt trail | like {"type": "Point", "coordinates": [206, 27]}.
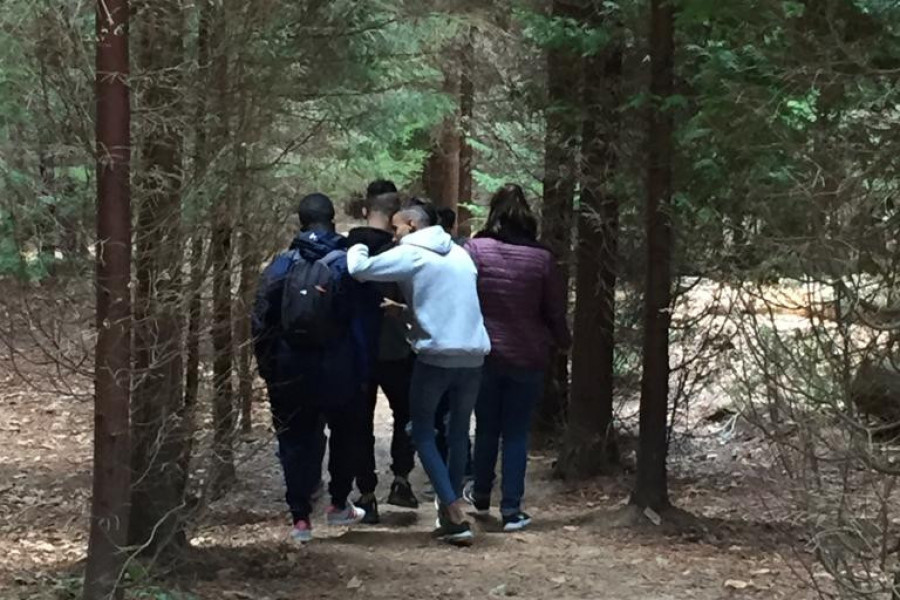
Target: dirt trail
{"type": "Point", "coordinates": [570, 552]}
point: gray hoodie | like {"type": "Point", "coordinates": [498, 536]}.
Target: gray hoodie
{"type": "Point", "coordinates": [438, 280]}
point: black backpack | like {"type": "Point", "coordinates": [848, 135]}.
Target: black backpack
{"type": "Point", "coordinates": [309, 315]}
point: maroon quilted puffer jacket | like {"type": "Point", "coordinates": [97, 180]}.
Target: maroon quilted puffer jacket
{"type": "Point", "coordinates": [523, 301]}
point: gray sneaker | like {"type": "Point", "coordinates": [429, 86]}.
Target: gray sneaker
{"type": "Point", "coordinates": [350, 515]}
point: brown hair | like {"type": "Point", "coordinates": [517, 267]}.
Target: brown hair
{"type": "Point", "coordinates": [510, 214]}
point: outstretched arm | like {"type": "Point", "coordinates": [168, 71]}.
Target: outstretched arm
{"type": "Point", "coordinates": [397, 264]}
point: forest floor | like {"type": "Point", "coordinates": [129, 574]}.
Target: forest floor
{"type": "Point", "coordinates": [725, 545]}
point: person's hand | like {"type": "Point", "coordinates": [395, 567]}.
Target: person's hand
{"type": "Point", "coordinates": [395, 309]}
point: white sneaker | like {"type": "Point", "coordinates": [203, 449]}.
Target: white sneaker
{"type": "Point", "coordinates": [302, 532]}
{"type": "Point", "coordinates": [351, 515]}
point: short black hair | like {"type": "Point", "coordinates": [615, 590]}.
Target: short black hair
{"type": "Point", "coordinates": [446, 218]}
{"type": "Point", "coordinates": [418, 214]}
{"type": "Point", "coordinates": [386, 204]}
{"type": "Point", "coordinates": [379, 187]}
{"type": "Point", "coordinates": [315, 209]}
{"type": "Point", "coordinates": [425, 205]}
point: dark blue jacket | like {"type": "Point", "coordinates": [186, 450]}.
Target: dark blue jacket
{"type": "Point", "coordinates": [331, 375]}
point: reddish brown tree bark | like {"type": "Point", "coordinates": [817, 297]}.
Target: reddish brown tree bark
{"type": "Point", "coordinates": [590, 441]}
{"type": "Point", "coordinates": [560, 175]}
{"type": "Point", "coordinates": [651, 488]}
{"type": "Point", "coordinates": [441, 176]}
{"type": "Point", "coordinates": [112, 373]}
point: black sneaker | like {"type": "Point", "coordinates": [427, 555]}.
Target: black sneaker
{"type": "Point", "coordinates": [368, 503]}
{"type": "Point", "coordinates": [481, 504]}
{"type": "Point", "coordinates": [402, 494]}
{"type": "Point", "coordinates": [457, 534]}
{"type": "Point", "coordinates": [516, 522]}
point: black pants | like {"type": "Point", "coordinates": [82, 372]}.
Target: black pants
{"type": "Point", "coordinates": [393, 377]}
{"type": "Point", "coordinates": [440, 438]}
{"type": "Point", "coordinates": [300, 427]}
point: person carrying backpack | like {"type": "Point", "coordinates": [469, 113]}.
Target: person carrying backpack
{"type": "Point", "coordinates": [311, 351]}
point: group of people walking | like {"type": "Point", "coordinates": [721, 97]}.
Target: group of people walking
{"type": "Point", "coordinates": [443, 326]}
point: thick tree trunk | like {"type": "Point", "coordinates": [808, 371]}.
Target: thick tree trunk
{"type": "Point", "coordinates": [112, 373]}
{"type": "Point", "coordinates": [224, 416]}
{"type": "Point", "coordinates": [560, 173]}
{"type": "Point", "coordinates": [442, 169]}
{"type": "Point", "coordinates": [590, 441]}
{"type": "Point", "coordinates": [158, 431]}
{"type": "Point", "coordinates": [651, 489]}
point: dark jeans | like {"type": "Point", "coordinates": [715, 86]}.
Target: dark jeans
{"type": "Point", "coordinates": [394, 378]}
{"type": "Point", "coordinates": [441, 420]}
{"type": "Point", "coordinates": [429, 385]}
{"type": "Point", "coordinates": [299, 425]}
{"type": "Point", "coordinates": [505, 405]}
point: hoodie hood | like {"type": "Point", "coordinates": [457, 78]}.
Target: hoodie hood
{"type": "Point", "coordinates": [315, 245]}
{"type": "Point", "coordinates": [376, 240]}
{"type": "Point", "coordinates": [432, 238]}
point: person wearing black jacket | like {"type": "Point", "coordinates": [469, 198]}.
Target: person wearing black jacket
{"type": "Point", "coordinates": [392, 363]}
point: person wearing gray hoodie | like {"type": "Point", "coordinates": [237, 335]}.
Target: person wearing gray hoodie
{"type": "Point", "coordinates": [439, 281]}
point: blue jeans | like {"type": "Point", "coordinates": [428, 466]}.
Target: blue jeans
{"type": "Point", "coordinates": [429, 385]}
{"type": "Point", "coordinates": [505, 405]}
{"type": "Point", "coordinates": [441, 419]}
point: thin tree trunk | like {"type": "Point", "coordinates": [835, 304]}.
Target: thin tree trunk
{"type": "Point", "coordinates": [590, 440]}
{"type": "Point", "coordinates": [466, 151]}
{"type": "Point", "coordinates": [192, 339]}
{"type": "Point", "coordinates": [651, 489]}
{"type": "Point", "coordinates": [249, 264]}
{"type": "Point", "coordinates": [158, 432]}
{"type": "Point", "coordinates": [223, 472]}
{"type": "Point", "coordinates": [198, 270]}
{"type": "Point", "coordinates": [246, 289]}
{"type": "Point", "coordinates": [560, 173]}
{"type": "Point", "coordinates": [112, 374]}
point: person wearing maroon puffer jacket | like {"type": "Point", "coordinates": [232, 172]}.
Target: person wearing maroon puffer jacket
{"type": "Point", "coordinates": [523, 300]}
